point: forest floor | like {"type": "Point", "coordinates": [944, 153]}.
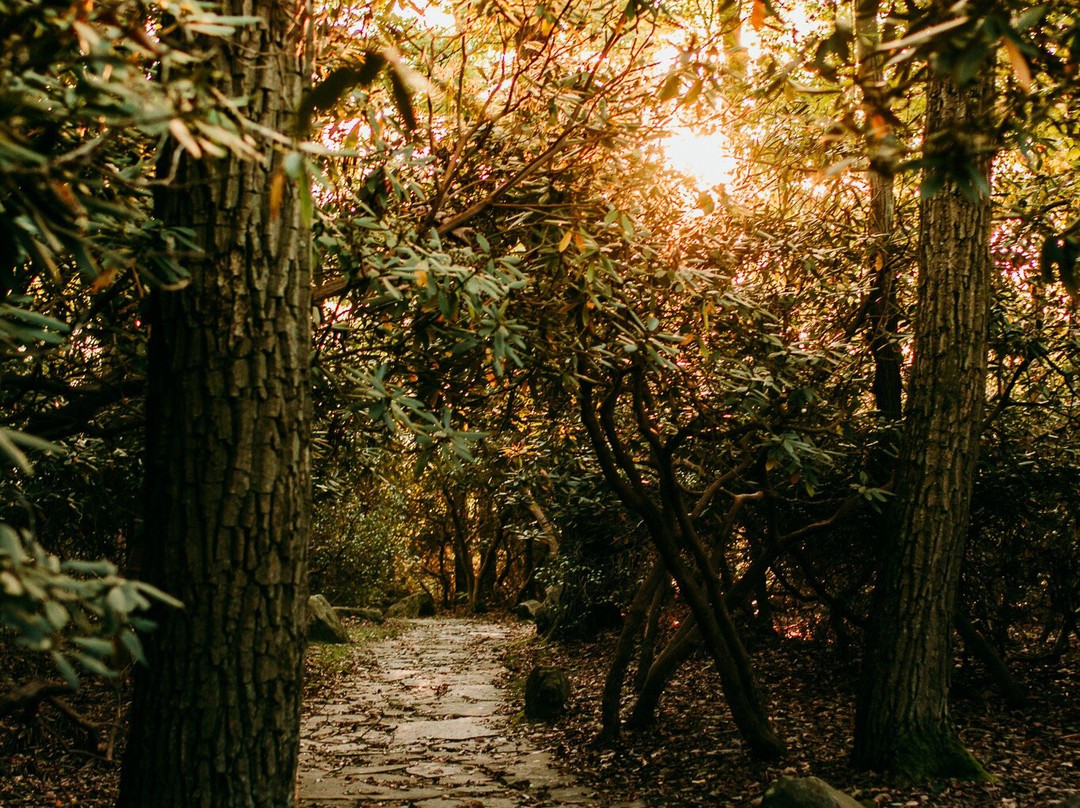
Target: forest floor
{"type": "Point", "coordinates": [428, 714]}
{"type": "Point", "coordinates": [693, 757]}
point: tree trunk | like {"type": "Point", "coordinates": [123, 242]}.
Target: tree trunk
{"type": "Point", "coordinates": [902, 719]}
{"type": "Point", "coordinates": [977, 645]}
{"type": "Point", "coordinates": [883, 312]}
{"type": "Point", "coordinates": [484, 588]}
{"type": "Point", "coordinates": [669, 525]}
{"type": "Point", "coordinates": [624, 652]}
{"type": "Point", "coordinates": [216, 715]}
{"type": "Point", "coordinates": [647, 654]}
{"type": "Point", "coordinates": [678, 650]}
{"type": "Point", "coordinates": [464, 573]}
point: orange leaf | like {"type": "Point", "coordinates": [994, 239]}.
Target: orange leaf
{"type": "Point", "coordinates": [757, 15]}
{"type": "Point", "coordinates": [1019, 65]}
{"type": "Point", "coordinates": [103, 280]}
{"type": "Point", "coordinates": [879, 126]}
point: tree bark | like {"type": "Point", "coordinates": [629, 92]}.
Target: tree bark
{"type": "Point", "coordinates": [976, 644]}
{"type": "Point", "coordinates": [610, 723]}
{"type": "Point", "coordinates": [883, 311]}
{"type": "Point", "coordinates": [215, 721]}
{"type": "Point", "coordinates": [902, 717]}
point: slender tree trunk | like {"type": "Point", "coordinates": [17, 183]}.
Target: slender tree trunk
{"type": "Point", "coordinates": [883, 310]}
{"type": "Point", "coordinates": [669, 525]}
{"type": "Point", "coordinates": [679, 648]}
{"type": "Point", "coordinates": [648, 639]}
{"type": "Point", "coordinates": [624, 651]}
{"type": "Point", "coordinates": [976, 644]}
{"type": "Point", "coordinates": [902, 720]}
{"type": "Point", "coordinates": [464, 573]}
{"type": "Point", "coordinates": [216, 715]}
{"type": "Point", "coordinates": [484, 590]}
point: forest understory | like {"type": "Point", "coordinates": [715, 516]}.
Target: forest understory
{"type": "Point", "coordinates": [692, 757]}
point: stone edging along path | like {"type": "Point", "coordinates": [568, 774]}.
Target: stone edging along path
{"type": "Point", "coordinates": [428, 726]}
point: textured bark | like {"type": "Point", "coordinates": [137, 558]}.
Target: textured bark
{"type": "Point", "coordinates": [902, 718]}
{"type": "Point", "coordinates": [216, 716]}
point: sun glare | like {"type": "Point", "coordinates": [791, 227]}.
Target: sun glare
{"type": "Point", "coordinates": [705, 158]}
{"type": "Point", "coordinates": [431, 14]}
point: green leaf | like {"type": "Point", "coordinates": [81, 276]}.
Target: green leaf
{"type": "Point", "coordinates": [97, 646]}
{"type": "Point", "coordinates": [131, 642]}
{"type": "Point", "coordinates": [98, 569]}
{"type": "Point", "coordinates": [10, 544]}
{"type": "Point", "coordinates": [56, 614]}
{"type": "Point", "coordinates": [157, 594]}
{"type": "Point", "coordinates": [64, 668]}
{"type": "Point", "coordinates": [92, 664]}
{"type": "Point", "coordinates": [1031, 17]}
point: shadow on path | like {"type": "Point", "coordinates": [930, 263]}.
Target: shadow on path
{"type": "Point", "coordinates": [427, 726]}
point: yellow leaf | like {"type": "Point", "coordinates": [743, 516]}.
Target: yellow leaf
{"type": "Point", "coordinates": [565, 242]}
{"type": "Point", "coordinates": [420, 279]}
{"type": "Point", "coordinates": [757, 15]}
{"type": "Point", "coordinates": [1019, 65]}
{"type": "Point", "coordinates": [772, 463]}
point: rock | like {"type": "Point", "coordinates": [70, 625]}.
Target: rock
{"type": "Point", "coordinates": [526, 610]}
{"type": "Point", "coordinates": [547, 613]}
{"type": "Point", "coordinates": [420, 604]}
{"type": "Point", "coordinates": [1070, 802]}
{"type": "Point", "coordinates": [371, 615]}
{"type": "Point", "coordinates": [546, 693]}
{"type": "Point", "coordinates": [323, 623]}
{"type": "Point", "coordinates": [806, 792]}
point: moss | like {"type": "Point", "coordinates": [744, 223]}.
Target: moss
{"type": "Point", "coordinates": [939, 756]}
{"type": "Point", "coordinates": [341, 657]}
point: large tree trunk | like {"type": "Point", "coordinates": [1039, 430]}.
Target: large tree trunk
{"type": "Point", "coordinates": [902, 720]}
{"type": "Point", "coordinates": [216, 715]}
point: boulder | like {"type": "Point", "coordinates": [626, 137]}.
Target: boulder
{"type": "Point", "coordinates": [526, 610]}
{"type": "Point", "coordinates": [806, 792]}
{"type": "Point", "coordinates": [323, 623]}
{"type": "Point", "coordinates": [420, 604]}
{"type": "Point", "coordinates": [546, 693]}
{"type": "Point", "coordinates": [371, 615]}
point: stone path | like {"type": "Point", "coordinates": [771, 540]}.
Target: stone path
{"type": "Point", "coordinates": [426, 725]}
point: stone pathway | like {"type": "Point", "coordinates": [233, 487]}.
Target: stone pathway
{"type": "Point", "coordinates": [426, 726]}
